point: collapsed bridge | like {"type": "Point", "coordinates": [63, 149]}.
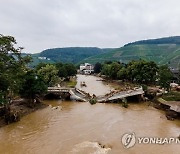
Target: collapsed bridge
{"type": "Point", "coordinates": [80, 95]}
{"type": "Point", "coordinates": [121, 95]}
{"type": "Point", "coordinates": [67, 93]}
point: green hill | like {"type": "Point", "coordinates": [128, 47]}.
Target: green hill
{"type": "Point", "coordinates": [36, 60]}
{"type": "Point", "coordinates": [72, 54]}
{"type": "Point", "coordinates": [66, 55]}
{"type": "Point", "coordinates": [165, 40]}
{"type": "Point", "coordinates": [162, 51]}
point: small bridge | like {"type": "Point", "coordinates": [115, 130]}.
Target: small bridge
{"type": "Point", "coordinates": [121, 95]}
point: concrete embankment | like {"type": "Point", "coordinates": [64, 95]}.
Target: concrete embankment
{"type": "Point", "coordinates": [171, 108]}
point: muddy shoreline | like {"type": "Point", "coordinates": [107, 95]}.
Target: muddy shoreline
{"type": "Point", "coordinates": [170, 114]}
{"type": "Point", "coordinates": [18, 109]}
{"type": "Point", "coordinates": [152, 98]}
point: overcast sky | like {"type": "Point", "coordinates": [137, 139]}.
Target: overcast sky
{"type": "Point", "coordinates": [42, 24]}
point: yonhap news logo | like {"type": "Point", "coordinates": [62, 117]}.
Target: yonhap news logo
{"type": "Point", "coordinates": [129, 140]}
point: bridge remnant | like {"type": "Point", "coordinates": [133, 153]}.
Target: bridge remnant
{"type": "Point", "coordinates": [79, 95]}
{"type": "Point", "coordinates": [67, 93]}
{"type": "Point", "coordinates": [121, 95]}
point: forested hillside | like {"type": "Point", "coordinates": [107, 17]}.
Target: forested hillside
{"type": "Point", "coordinates": [162, 51]}
{"type": "Point", "coordinates": [73, 54]}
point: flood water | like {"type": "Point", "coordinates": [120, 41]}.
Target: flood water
{"type": "Point", "coordinates": [78, 127]}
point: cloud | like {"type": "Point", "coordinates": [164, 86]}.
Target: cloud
{"type": "Point", "coordinates": [38, 24]}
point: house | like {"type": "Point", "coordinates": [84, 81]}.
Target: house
{"type": "Point", "coordinates": [44, 58]}
{"type": "Point", "coordinates": [86, 68]}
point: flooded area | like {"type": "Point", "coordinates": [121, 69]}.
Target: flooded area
{"type": "Point", "coordinates": [94, 85]}
{"type": "Point", "coordinates": [67, 127]}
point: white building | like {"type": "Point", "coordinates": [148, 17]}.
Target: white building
{"type": "Point", "coordinates": [44, 58]}
{"type": "Point", "coordinates": [86, 68]}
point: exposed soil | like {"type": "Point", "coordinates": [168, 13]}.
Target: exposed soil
{"type": "Point", "coordinates": [119, 85]}
{"type": "Point", "coordinates": [16, 110]}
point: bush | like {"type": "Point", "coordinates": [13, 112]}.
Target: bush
{"type": "Point", "coordinates": [92, 101]}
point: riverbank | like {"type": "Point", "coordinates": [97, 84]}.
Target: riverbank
{"type": "Point", "coordinates": [18, 109]}
{"type": "Point", "coordinates": [118, 85]}
{"type": "Point", "coordinates": [171, 108]}
{"type": "Point", "coordinates": [79, 127]}
{"type": "Point", "coordinates": [71, 83]}
{"type": "Point", "coordinates": [168, 102]}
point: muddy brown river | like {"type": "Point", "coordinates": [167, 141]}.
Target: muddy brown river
{"type": "Point", "coordinates": [78, 127]}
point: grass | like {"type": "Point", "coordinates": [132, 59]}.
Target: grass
{"type": "Point", "coordinates": [71, 84]}
{"type": "Point", "coordinates": [161, 100]}
{"type": "Point", "coordinates": [172, 96]}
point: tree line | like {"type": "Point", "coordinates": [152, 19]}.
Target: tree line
{"type": "Point", "coordinates": [140, 71]}
{"type": "Point", "coordinates": [17, 79]}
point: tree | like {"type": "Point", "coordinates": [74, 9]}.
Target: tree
{"type": "Point", "coordinates": [33, 86]}
{"type": "Point", "coordinates": [49, 74]}
{"type": "Point", "coordinates": [111, 69]}
{"type": "Point", "coordinates": [165, 77]}
{"type": "Point", "coordinates": [62, 72]}
{"type": "Point", "coordinates": [58, 65]}
{"type": "Point", "coordinates": [106, 70]}
{"type": "Point", "coordinates": [71, 69]}
{"type": "Point", "coordinates": [141, 71]}
{"type": "Point", "coordinates": [4, 84]}
{"type": "Point", "coordinates": [40, 65]}
{"type": "Point", "coordinates": [66, 70]}
{"type": "Point", "coordinates": [122, 74]}
{"type": "Point", "coordinates": [97, 67]}
{"type": "Point", "coordinates": [114, 68]}
{"type": "Point", "coordinates": [12, 67]}
{"type": "Point", "coordinates": [179, 74]}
